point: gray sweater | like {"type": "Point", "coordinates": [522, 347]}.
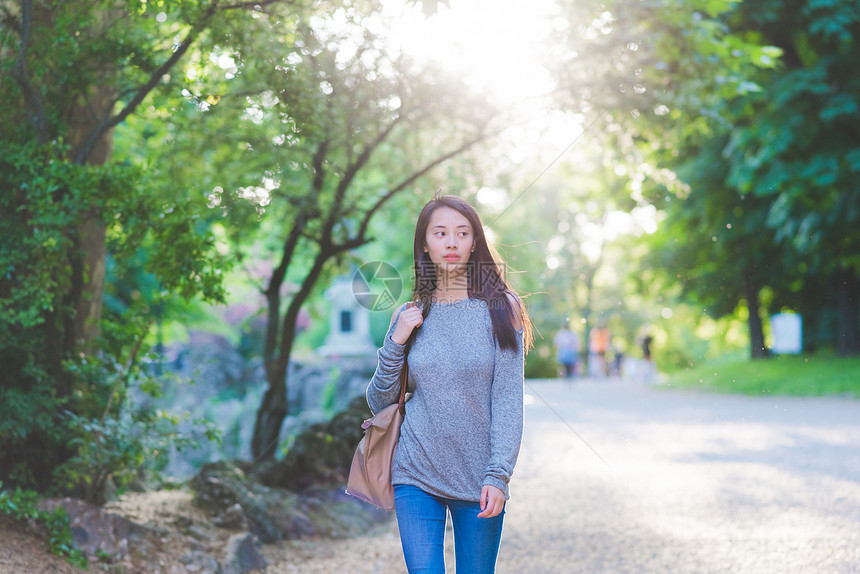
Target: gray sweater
{"type": "Point", "coordinates": [464, 422]}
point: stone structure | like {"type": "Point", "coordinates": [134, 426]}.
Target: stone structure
{"type": "Point", "coordinates": [349, 324]}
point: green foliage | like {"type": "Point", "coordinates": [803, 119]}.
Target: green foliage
{"type": "Point", "coordinates": [796, 375]}
{"type": "Point", "coordinates": [22, 507]}
{"type": "Point", "coordinates": [661, 70]}
{"type": "Point", "coordinates": [42, 198]}
{"type": "Point", "coordinates": [731, 246]}
{"type": "Point", "coordinates": [29, 433]}
{"type": "Point", "coordinates": [796, 143]}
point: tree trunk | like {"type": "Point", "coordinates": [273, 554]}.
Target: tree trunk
{"type": "Point", "coordinates": [590, 274]}
{"type": "Point", "coordinates": [585, 349]}
{"type": "Point", "coordinates": [274, 407]}
{"type": "Point", "coordinates": [91, 255]}
{"type": "Point", "coordinates": [757, 347]}
{"type": "Point", "coordinates": [270, 417]}
{"type": "Point", "coordinates": [847, 286]}
{"type": "Point", "coordinates": [93, 259]}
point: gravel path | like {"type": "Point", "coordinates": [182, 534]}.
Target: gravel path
{"type": "Point", "coordinates": [681, 482]}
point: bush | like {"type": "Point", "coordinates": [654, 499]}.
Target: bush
{"type": "Point", "coordinates": [117, 451]}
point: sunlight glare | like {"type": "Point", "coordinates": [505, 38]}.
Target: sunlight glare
{"type": "Point", "coordinates": [592, 244]}
{"type": "Point", "coordinates": [555, 244]}
{"type": "Point", "coordinates": [646, 217]}
{"type": "Point", "coordinates": [492, 197]}
{"type": "Point", "coordinates": [617, 223]}
{"type": "Point", "coordinates": [495, 44]}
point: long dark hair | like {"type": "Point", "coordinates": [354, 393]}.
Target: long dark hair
{"type": "Point", "coordinates": [484, 276]}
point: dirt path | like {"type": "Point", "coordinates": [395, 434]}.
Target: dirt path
{"type": "Point", "coordinates": [21, 553]}
{"type": "Point", "coordinates": [692, 483]}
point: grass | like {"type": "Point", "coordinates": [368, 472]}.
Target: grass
{"type": "Point", "coordinates": [804, 375]}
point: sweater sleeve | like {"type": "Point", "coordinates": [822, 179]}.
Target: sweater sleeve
{"type": "Point", "coordinates": [506, 425]}
{"type": "Point", "coordinates": [383, 389]}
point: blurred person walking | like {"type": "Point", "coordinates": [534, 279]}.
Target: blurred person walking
{"type": "Point", "coordinates": [598, 345]}
{"type": "Point", "coordinates": [566, 343]}
{"type": "Point", "coordinates": [649, 369]}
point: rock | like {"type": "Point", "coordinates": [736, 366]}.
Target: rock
{"type": "Point", "coordinates": [232, 518]}
{"type": "Point", "coordinates": [149, 538]}
{"type": "Point", "coordinates": [271, 514]}
{"type": "Point", "coordinates": [320, 455]}
{"type": "Point", "coordinates": [274, 514]}
{"type": "Point", "coordinates": [299, 496]}
{"type": "Point", "coordinates": [99, 533]}
{"type": "Point", "coordinates": [242, 555]}
{"type": "Point", "coordinates": [335, 514]}
{"type": "Point", "coordinates": [217, 486]}
{"type": "Point", "coordinates": [200, 562]}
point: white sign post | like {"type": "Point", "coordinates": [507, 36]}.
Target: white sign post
{"type": "Point", "coordinates": [787, 333]}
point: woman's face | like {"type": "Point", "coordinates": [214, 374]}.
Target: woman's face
{"type": "Point", "coordinates": [449, 240]}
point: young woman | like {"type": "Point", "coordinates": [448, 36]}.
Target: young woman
{"type": "Point", "coordinates": [465, 343]}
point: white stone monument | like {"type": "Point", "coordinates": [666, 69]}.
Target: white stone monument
{"type": "Point", "coordinates": [349, 324]}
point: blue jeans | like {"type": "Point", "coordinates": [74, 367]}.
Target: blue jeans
{"type": "Point", "coordinates": [421, 520]}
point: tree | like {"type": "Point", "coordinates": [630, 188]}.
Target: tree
{"type": "Point", "coordinates": [798, 145]}
{"type": "Point", "coordinates": [321, 126]}
{"type": "Point", "coordinates": [715, 243]}
{"type": "Point", "coordinates": [661, 74]}
{"type": "Point", "coordinates": [353, 127]}
{"type": "Point", "coordinates": [72, 72]}
{"type": "Point", "coordinates": [774, 163]}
